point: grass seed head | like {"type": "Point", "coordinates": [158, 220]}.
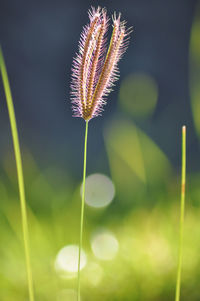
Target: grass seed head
{"type": "Point", "coordinates": [94, 69]}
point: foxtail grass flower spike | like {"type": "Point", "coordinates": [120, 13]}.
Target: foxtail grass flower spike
{"type": "Point", "coordinates": [94, 69]}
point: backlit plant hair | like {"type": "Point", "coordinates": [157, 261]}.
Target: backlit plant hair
{"type": "Point", "coordinates": [94, 71]}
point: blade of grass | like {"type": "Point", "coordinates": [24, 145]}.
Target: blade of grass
{"type": "Point", "coordinates": [182, 212]}
{"type": "Point", "coordinates": [18, 159]}
{"type": "Point", "coordinates": [82, 210]}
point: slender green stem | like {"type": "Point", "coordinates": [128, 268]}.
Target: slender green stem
{"type": "Point", "coordinates": [182, 212]}
{"type": "Point", "coordinates": [82, 210]}
{"type": "Point", "coordinates": [18, 159]}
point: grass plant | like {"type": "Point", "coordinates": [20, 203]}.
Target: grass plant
{"type": "Point", "coordinates": [182, 213]}
{"type": "Point", "coordinates": [94, 71]}
{"type": "Point", "coordinates": [18, 159]}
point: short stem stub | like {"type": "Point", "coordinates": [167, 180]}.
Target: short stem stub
{"type": "Point", "coordinates": [182, 213]}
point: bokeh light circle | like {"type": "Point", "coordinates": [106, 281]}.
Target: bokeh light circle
{"type": "Point", "coordinates": [104, 245]}
{"type": "Point", "coordinates": [139, 94]}
{"type": "Point", "coordinates": [99, 190]}
{"type": "Point", "coordinates": [67, 260]}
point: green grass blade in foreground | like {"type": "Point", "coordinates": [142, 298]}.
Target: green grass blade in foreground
{"type": "Point", "coordinates": [82, 210]}
{"type": "Point", "coordinates": [18, 159]}
{"type": "Point", "coordinates": [182, 212]}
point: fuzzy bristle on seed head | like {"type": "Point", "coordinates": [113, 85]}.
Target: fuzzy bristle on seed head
{"type": "Point", "coordinates": [94, 69]}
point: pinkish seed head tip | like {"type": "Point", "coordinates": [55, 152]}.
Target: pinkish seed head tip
{"type": "Point", "coordinates": [94, 69]}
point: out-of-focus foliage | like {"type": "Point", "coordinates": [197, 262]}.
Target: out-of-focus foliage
{"type": "Point", "coordinates": [137, 163]}
{"type": "Point", "coordinates": [130, 246]}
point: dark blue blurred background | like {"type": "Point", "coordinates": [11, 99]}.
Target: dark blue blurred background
{"type": "Point", "coordinates": [39, 40]}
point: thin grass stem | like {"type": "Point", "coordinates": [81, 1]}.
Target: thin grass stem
{"type": "Point", "coordinates": [18, 159]}
{"type": "Point", "coordinates": [82, 209]}
{"type": "Point", "coordinates": [182, 213]}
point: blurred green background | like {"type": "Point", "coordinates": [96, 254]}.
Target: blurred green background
{"type": "Point", "coordinates": [132, 192]}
